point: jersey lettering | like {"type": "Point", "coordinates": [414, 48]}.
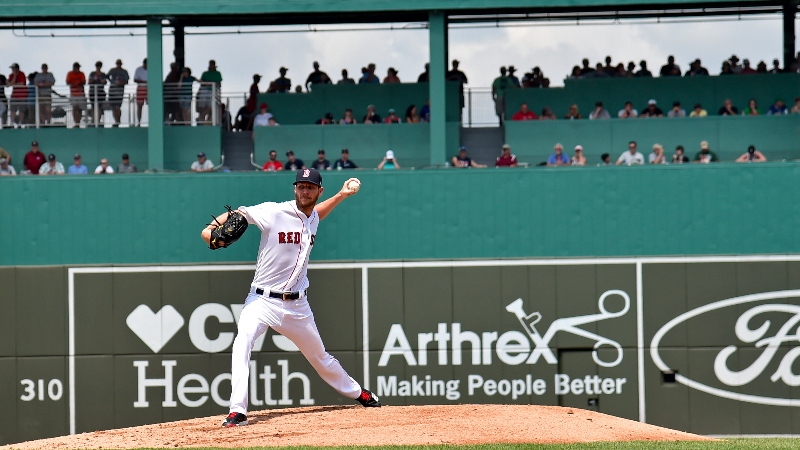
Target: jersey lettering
{"type": "Point", "coordinates": [313, 236]}
{"type": "Point", "coordinates": [281, 237]}
{"type": "Point", "coordinates": [291, 237]}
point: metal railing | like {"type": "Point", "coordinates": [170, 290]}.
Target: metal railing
{"type": "Point", "coordinates": [96, 106]}
{"type": "Point", "coordinates": [479, 109]}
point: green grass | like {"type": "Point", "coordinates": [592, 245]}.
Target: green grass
{"type": "Point", "coordinates": [723, 444]}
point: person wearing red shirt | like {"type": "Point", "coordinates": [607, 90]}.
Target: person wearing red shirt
{"type": "Point", "coordinates": [19, 96]}
{"type": "Point", "coordinates": [273, 165]}
{"type": "Point", "coordinates": [506, 159]}
{"type": "Point", "coordinates": [34, 159]}
{"type": "Point", "coordinates": [524, 113]}
{"type": "Point", "coordinates": [77, 97]}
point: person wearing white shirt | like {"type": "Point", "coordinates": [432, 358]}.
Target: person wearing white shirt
{"type": "Point", "coordinates": [140, 77]}
{"type": "Point", "coordinates": [262, 119]}
{"type": "Point", "coordinates": [631, 156]}
{"type": "Point", "coordinates": [202, 164]}
{"type": "Point", "coordinates": [104, 167]}
{"type": "Point", "coordinates": [657, 157]}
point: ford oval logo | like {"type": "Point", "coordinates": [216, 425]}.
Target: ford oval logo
{"type": "Point", "coordinates": [769, 345]}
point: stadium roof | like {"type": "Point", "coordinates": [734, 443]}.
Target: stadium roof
{"type": "Point", "coordinates": [243, 12]}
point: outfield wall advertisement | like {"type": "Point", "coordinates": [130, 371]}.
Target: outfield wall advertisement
{"type": "Point", "coordinates": [707, 345]}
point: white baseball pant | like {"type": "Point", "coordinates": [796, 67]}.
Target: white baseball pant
{"type": "Point", "coordinates": [293, 319]}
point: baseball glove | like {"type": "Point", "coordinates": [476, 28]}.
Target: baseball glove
{"type": "Point", "coordinates": [225, 234]}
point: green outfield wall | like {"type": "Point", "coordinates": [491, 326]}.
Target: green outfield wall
{"type": "Point", "coordinates": [367, 144]}
{"type": "Point", "coordinates": [710, 92]}
{"type": "Point", "coordinates": [701, 344]}
{"type": "Point", "coordinates": [777, 137]}
{"type": "Point", "coordinates": [417, 214]}
{"type": "Point", "coordinates": [307, 108]}
{"type": "Point", "coordinates": [181, 145]}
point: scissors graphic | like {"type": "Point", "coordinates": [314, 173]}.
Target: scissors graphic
{"type": "Point", "coordinates": [570, 325]}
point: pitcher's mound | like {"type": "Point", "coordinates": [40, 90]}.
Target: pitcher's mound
{"type": "Point", "coordinates": [397, 425]}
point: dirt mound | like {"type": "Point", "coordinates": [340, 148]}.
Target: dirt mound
{"type": "Point", "coordinates": [400, 425]}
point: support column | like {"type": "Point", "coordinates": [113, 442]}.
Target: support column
{"type": "Point", "coordinates": [438, 60]}
{"type": "Point", "coordinates": [789, 10]}
{"type": "Point", "coordinates": [180, 53]}
{"type": "Point", "coordinates": [155, 96]}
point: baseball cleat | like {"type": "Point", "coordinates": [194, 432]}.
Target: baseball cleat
{"type": "Point", "coordinates": [234, 420]}
{"type": "Point", "coordinates": [368, 399]}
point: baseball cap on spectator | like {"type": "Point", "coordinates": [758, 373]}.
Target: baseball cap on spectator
{"type": "Point", "coordinates": [651, 102]}
{"type": "Point", "coordinates": [391, 111]}
{"type": "Point", "coordinates": [321, 152]}
{"type": "Point", "coordinates": [676, 103]}
{"type": "Point", "coordinates": [329, 116]}
{"type": "Point", "coordinates": [34, 144]}
{"type": "Point", "coordinates": [256, 77]}
{"type": "Point", "coordinates": [289, 153]}
{"type": "Point", "coordinates": [263, 105]}
{"type": "Point", "coordinates": [119, 61]}
{"type": "Point", "coordinates": [463, 148]}
{"type": "Point", "coordinates": [77, 156]}
{"type": "Point", "coordinates": [308, 176]}
{"type": "Point", "coordinates": [344, 150]}
{"type": "Point", "coordinates": [704, 144]}
{"type": "Point", "coordinates": [578, 147]}
{"type": "Point", "coordinates": [201, 155]}
{"type": "Point", "coordinates": [125, 156]}
{"type": "Point", "coordinates": [282, 69]}
{"type": "Point", "coordinates": [389, 154]}
{"type": "Point", "coordinates": [750, 149]}
{"type": "Point", "coordinates": [3, 160]}
{"type": "Point", "coordinates": [506, 147]}
{"type": "Point", "coordinates": [14, 66]}
{"type": "Point", "coordinates": [51, 157]}
{"type": "Point", "coordinates": [76, 64]}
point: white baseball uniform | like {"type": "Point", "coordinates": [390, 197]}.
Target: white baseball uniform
{"type": "Point", "coordinates": [287, 237]}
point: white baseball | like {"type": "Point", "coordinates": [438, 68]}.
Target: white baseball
{"type": "Point", "coordinates": [354, 185]}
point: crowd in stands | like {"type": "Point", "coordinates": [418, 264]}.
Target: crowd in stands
{"type": "Point", "coordinates": [36, 163]}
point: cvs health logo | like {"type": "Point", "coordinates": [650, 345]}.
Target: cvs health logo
{"type": "Point", "coordinates": [156, 329]}
{"type": "Point", "coordinates": [753, 329]}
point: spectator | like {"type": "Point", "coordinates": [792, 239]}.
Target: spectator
{"type": "Point", "coordinates": [391, 76]}
{"type": "Point", "coordinates": [796, 107]}
{"type": "Point", "coordinates": [30, 106]}
{"type": "Point", "coordinates": [317, 77]}
{"type": "Point", "coordinates": [282, 84]}
{"type": "Point", "coordinates": [424, 76]}
{"type": "Point", "coordinates": [606, 159]}
{"type": "Point", "coordinates": [631, 72]}
{"type": "Point", "coordinates": [670, 69]}
{"type": "Point", "coordinates": [117, 79]}
{"type": "Point", "coordinates": [547, 114]}
{"type": "Point", "coordinates": [558, 158]}
{"type": "Point", "coordinates": [535, 79]}
{"type": "Point", "coordinates": [125, 166]}
{"type": "Point", "coordinates": [172, 109]}
{"type": "Point", "coordinates": [778, 108]}
{"type": "Point", "coordinates": [524, 113]}
{"type": "Point", "coordinates": [455, 74]}
{"type": "Point", "coordinates": [34, 159]}
{"type": "Point", "coordinates": [736, 68]}
{"type": "Point", "coordinates": [726, 69]}
{"type": "Point", "coordinates": [345, 79]}
{"type": "Point", "coordinates": [620, 71]}
{"type": "Point", "coordinates": [344, 162]}
{"type": "Point", "coordinates": [392, 117]}
{"type": "Point", "coordinates": [104, 168]}
{"type": "Point", "coordinates": [609, 69]}
{"type": "Point", "coordinates": [652, 110]}
{"type": "Point", "coordinates": [506, 159]}
{"type": "Point", "coordinates": [224, 118]}
{"type": "Point", "coordinates": [512, 77]}
{"type": "Point", "coordinates": [599, 72]}
{"type": "Point", "coordinates": [77, 97]}
{"type": "Point", "coordinates": [202, 164]}
{"type": "Point", "coordinates": [578, 159]}
{"type": "Point", "coordinates": [599, 112]}
{"type": "Point", "coordinates": [628, 112]}
{"type": "Point", "coordinates": [630, 157]}
{"type": "Point", "coordinates": [747, 70]}
{"type": "Point", "coordinates": [97, 92]}
{"type": "Point", "coordinates": [698, 111]}
{"type": "Point", "coordinates": [3, 100]}
{"type": "Point", "coordinates": [347, 118]}
{"type": "Point", "coordinates": [51, 167]}
{"type": "Point", "coordinates": [676, 110]}
{"type": "Point", "coordinates": [795, 66]}
{"type": "Point", "coordinates": [575, 74]}
{"type": "Point", "coordinates": [500, 85]}
{"type": "Point", "coordinates": [327, 119]}
{"type": "Point", "coordinates": [140, 77]}
{"type": "Point", "coordinates": [45, 80]}
{"type": "Point", "coordinates": [657, 157]}
{"type": "Point", "coordinates": [371, 116]}
{"type": "Point", "coordinates": [696, 69]}
{"type": "Point", "coordinates": [705, 156]}
{"type": "Point", "coordinates": [6, 170]}
{"type": "Point", "coordinates": [262, 119]}
{"type": "Point", "coordinates": [411, 114]}
{"type": "Point", "coordinates": [321, 163]}
{"type": "Point", "coordinates": [761, 67]}
{"type": "Point", "coordinates": [776, 67]}
{"type": "Point", "coordinates": [5, 154]}
{"type": "Point", "coordinates": [679, 157]}
{"type": "Point", "coordinates": [573, 113]}
{"type": "Point", "coordinates": [727, 109]}
{"type": "Point", "coordinates": [586, 69]}
{"type": "Point", "coordinates": [293, 163]}
{"type": "Point", "coordinates": [298, 89]}
{"type": "Point", "coordinates": [77, 168]}
{"type": "Point", "coordinates": [210, 81]}
{"type": "Point", "coordinates": [369, 76]}
{"type": "Point", "coordinates": [643, 72]}
{"type": "Point", "coordinates": [751, 155]}
{"type": "Point", "coordinates": [389, 162]}
{"type": "Point", "coordinates": [464, 161]}
{"type": "Point", "coordinates": [425, 113]}
{"type": "Point", "coordinates": [752, 108]}
{"type": "Point", "coordinates": [273, 165]}
{"type": "Point", "coordinates": [19, 95]}
{"type": "Point", "coordinates": [185, 83]}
